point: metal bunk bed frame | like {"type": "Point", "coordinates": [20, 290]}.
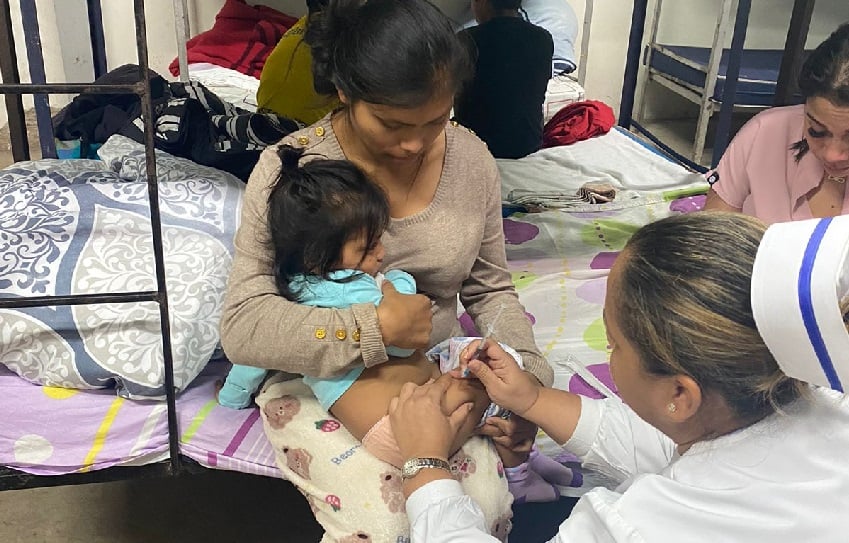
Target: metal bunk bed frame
{"type": "Point", "coordinates": [631, 93]}
{"type": "Point", "coordinates": [12, 88]}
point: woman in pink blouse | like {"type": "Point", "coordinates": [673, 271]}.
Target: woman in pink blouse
{"type": "Point", "coordinates": [792, 163]}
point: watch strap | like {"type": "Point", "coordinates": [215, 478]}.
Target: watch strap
{"type": "Point", "coordinates": [412, 466]}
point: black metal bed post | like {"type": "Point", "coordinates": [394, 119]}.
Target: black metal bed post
{"type": "Point", "coordinates": [9, 71]}
{"type": "Point", "coordinates": [794, 46]}
{"type": "Point", "coordinates": [632, 62]}
{"type": "Point", "coordinates": [629, 86]}
{"type": "Point", "coordinates": [35, 60]}
{"type": "Point", "coordinates": [156, 227]}
{"type": "Point", "coordinates": [732, 75]}
{"type": "Point", "coordinates": [98, 41]}
{"type": "Point", "coordinates": [13, 88]}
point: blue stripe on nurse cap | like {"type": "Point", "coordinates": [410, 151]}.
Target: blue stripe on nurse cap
{"type": "Point", "coordinates": [801, 274]}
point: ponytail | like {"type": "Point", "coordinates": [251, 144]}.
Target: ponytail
{"type": "Point", "coordinates": [295, 180]}
{"type": "Point", "coordinates": [289, 193]}
{"type": "Point", "coordinates": [325, 32]}
{"type": "Point", "coordinates": [777, 390]}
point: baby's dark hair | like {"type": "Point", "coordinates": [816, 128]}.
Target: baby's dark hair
{"type": "Point", "coordinates": [314, 209]}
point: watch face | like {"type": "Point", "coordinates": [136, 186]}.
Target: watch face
{"type": "Point", "coordinates": [411, 467]}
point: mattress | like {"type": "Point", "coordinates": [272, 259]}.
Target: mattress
{"type": "Point", "coordinates": [639, 173]}
{"type": "Point", "coordinates": [229, 85]}
{"type": "Point", "coordinates": [561, 91]}
{"type": "Point", "coordinates": [758, 71]}
{"type": "Point", "coordinates": [107, 430]}
{"type": "Point", "coordinates": [113, 431]}
{"type": "Point", "coordinates": [559, 260]}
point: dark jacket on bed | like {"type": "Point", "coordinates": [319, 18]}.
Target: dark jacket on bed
{"type": "Point", "coordinates": [191, 122]}
{"type": "Point", "coordinates": [503, 103]}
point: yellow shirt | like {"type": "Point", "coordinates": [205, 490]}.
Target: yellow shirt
{"type": "Point", "coordinates": [286, 84]}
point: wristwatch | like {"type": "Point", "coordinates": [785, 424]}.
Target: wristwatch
{"type": "Point", "coordinates": [414, 465]}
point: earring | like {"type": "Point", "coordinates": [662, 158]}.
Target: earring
{"type": "Point", "coordinates": [672, 407]}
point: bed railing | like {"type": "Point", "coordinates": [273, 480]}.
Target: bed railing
{"type": "Point", "coordinates": [13, 89]}
{"type": "Point", "coordinates": [734, 17]}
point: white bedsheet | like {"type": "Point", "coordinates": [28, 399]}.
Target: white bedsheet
{"type": "Point", "coordinates": [613, 157]}
{"type": "Point", "coordinates": [229, 85]}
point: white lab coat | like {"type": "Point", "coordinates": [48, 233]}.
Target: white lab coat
{"type": "Point", "coordinates": [783, 479]}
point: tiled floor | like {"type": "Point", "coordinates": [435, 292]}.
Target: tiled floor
{"type": "Point", "coordinates": [5, 158]}
{"type": "Point", "coordinates": [32, 138]}
{"type": "Point", "coordinates": [212, 507]}
{"type": "Point", "coordinates": [680, 133]}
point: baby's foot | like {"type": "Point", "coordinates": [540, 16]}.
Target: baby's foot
{"type": "Point", "coordinates": [232, 396]}
{"type": "Point", "coordinates": [528, 486]}
{"type": "Point", "coordinates": [553, 471]}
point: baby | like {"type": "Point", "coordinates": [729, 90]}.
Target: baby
{"type": "Point", "coordinates": [326, 219]}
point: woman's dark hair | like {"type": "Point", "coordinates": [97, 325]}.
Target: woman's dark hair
{"type": "Point", "coordinates": [316, 5]}
{"type": "Point", "coordinates": [391, 52]}
{"type": "Point", "coordinates": [684, 302]}
{"type": "Point", "coordinates": [825, 74]}
{"type": "Point", "coordinates": [503, 5]}
{"type": "Point", "coordinates": [313, 210]}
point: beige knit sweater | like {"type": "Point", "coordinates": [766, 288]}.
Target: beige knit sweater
{"type": "Point", "coordinates": [454, 246]}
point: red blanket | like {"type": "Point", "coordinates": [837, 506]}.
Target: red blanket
{"type": "Point", "coordinates": [241, 38]}
{"type": "Point", "coordinates": [576, 122]}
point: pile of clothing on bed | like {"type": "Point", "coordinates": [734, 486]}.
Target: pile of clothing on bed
{"type": "Point", "coordinates": [190, 121]}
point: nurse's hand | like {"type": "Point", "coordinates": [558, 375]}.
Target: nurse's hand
{"type": "Point", "coordinates": [514, 434]}
{"type": "Point", "coordinates": [423, 428]}
{"type": "Point", "coordinates": [420, 421]}
{"type": "Point", "coordinates": [405, 319]}
{"type": "Point", "coordinates": [507, 385]}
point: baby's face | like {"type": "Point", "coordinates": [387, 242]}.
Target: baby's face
{"type": "Point", "coordinates": [356, 255]}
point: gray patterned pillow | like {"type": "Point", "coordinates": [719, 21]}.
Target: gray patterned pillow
{"type": "Point", "coordinates": [82, 227]}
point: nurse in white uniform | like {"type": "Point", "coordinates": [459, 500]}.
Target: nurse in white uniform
{"type": "Point", "coordinates": [730, 352]}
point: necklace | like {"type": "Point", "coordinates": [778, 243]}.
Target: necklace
{"type": "Point", "coordinates": [342, 131]}
{"type": "Point", "coordinates": [836, 178]}
{"type": "Point", "coordinates": [415, 176]}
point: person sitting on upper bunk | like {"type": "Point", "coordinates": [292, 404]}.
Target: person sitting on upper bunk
{"type": "Point", "coordinates": [791, 163]}
{"type": "Point", "coordinates": [503, 102]}
{"type": "Point", "coordinates": [286, 83]}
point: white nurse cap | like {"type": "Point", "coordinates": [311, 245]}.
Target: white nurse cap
{"type": "Point", "coordinates": [801, 274]}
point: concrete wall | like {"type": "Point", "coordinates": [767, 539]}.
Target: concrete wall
{"type": "Point", "coordinates": [681, 22]}
{"type": "Point", "coordinates": [67, 57]}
